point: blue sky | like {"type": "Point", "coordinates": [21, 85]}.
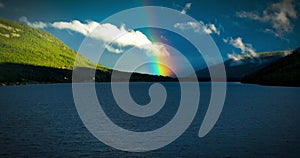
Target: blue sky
{"type": "Point", "coordinates": [237, 27]}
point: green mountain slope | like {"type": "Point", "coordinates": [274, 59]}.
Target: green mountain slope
{"type": "Point", "coordinates": [21, 44]}
{"type": "Point", "coordinates": [283, 72]}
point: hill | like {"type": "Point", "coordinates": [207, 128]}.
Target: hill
{"type": "Point", "coordinates": [21, 44]}
{"type": "Point", "coordinates": [283, 72]}
{"type": "Point", "coordinates": [32, 55]}
{"type": "Point", "coordinates": [237, 69]}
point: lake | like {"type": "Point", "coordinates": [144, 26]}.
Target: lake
{"type": "Point", "coordinates": [257, 121]}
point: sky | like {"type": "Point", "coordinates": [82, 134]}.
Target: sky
{"type": "Point", "coordinates": [235, 27]}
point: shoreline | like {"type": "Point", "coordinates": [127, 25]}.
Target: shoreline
{"type": "Point", "coordinates": [2, 84]}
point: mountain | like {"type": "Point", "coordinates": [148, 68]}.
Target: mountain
{"type": "Point", "coordinates": [21, 44]}
{"type": "Point", "coordinates": [283, 72]}
{"type": "Point", "coordinates": [237, 69]}
{"type": "Point", "coordinates": [32, 55]}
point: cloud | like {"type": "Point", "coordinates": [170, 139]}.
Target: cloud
{"type": "Point", "coordinates": [246, 49]}
{"type": "Point", "coordinates": [186, 7]}
{"type": "Point", "coordinates": [110, 33]}
{"type": "Point", "coordinates": [112, 49]}
{"type": "Point", "coordinates": [198, 27]}
{"type": "Point", "coordinates": [37, 24]}
{"type": "Point", "coordinates": [279, 15]}
{"type": "Point", "coordinates": [2, 5]}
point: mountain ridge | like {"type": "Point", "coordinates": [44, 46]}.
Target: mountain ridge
{"type": "Point", "coordinates": [237, 69]}
{"type": "Point", "coordinates": [283, 72]}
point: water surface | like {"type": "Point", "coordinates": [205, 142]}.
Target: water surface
{"type": "Point", "coordinates": [256, 121]}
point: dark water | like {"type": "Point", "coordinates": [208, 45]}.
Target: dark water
{"type": "Point", "coordinates": [256, 121]}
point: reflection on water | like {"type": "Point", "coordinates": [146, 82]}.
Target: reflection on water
{"type": "Point", "coordinates": [41, 121]}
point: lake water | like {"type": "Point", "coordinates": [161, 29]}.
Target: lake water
{"type": "Point", "coordinates": [256, 121]}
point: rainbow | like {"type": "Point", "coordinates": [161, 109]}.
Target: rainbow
{"type": "Point", "coordinates": [160, 65]}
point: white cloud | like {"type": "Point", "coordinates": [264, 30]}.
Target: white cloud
{"type": "Point", "coordinates": [186, 7]}
{"type": "Point", "coordinates": [235, 57]}
{"type": "Point", "coordinates": [112, 49]}
{"type": "Point", "coordinates": [110, 33]}
{"type": "Point", "coordinates": [246, 49]}
{"type": "Point", "coordinates": [278, 14]}
{"type": "Point", "coordinates": [198, 27]}
{"type": "Point", "coordinates": [2, 5]}
{"type": "Point", "coordinates": [37, 24]}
